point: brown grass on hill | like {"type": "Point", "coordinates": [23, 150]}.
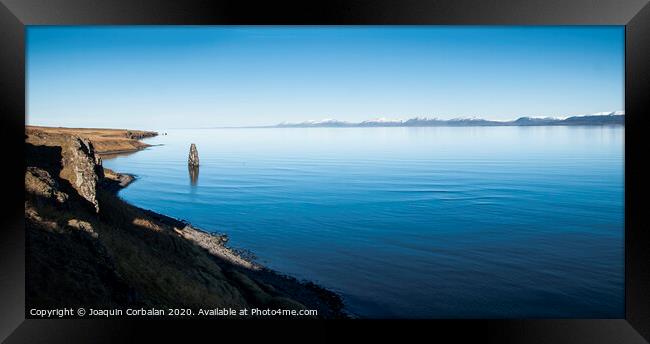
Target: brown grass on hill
{"type": "Point", "coordinates": [105, 141]}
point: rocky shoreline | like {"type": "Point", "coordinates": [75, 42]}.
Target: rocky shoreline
{"type": "Point", "coordinates": [86, 246]}
{"type": "Point", "coordinates": [213, 243]}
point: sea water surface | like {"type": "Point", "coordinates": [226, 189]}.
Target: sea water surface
{"type": "Point", "coordinates": [468, 222]}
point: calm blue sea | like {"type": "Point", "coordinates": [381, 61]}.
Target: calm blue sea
{"type": "Point", "coordinates": [473, 222]}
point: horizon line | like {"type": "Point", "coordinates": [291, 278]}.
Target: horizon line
{"type": "Point", "coordinates": [377, 120]}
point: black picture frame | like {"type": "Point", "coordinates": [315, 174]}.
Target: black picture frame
{"type": "Point", "coordinates": [634, 14]}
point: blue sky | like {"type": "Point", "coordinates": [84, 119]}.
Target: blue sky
{"type": "Point", "coordinates": [151, 77]}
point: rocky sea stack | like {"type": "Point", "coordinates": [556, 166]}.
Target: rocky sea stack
{"type": "Point", "coordinates": [193, 159]}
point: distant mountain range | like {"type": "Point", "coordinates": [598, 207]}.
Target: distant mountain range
{"type": "Point", "coordinates": [602, 118]}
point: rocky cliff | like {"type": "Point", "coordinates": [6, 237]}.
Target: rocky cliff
{"type": "Point", "coordinates": [78, 163]}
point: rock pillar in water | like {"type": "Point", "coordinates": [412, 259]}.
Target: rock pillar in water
{"type": "Point", "coordinates": [193, 160]}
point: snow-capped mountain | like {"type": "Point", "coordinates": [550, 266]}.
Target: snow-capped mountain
{"type": "Point", "coordinates": [383, 120]}
{"type": "Point", "coordinates": [328, 122]}
{"type": "Point", "coordinates": [600, 118]}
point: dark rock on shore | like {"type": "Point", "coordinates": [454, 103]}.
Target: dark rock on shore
{"type": "Point", "coordinates": [78, 164]}
{"type": "Point", "coordinates": [139, 134]}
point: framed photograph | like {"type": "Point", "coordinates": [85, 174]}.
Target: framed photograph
{"type": "Point", "coordinates": [442, 168]}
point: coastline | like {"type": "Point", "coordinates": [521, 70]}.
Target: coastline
{"type": "Point", "coordinates": [214, 243]}
{"type": "Point", "coordinates": [180, 264]}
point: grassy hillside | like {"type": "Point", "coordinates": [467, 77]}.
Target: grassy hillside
{"type": "Point", "coordinates": [104, 140]}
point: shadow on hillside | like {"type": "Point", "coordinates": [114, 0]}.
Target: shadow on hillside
{"type": "Point", "coordinates": [47, 158]}
{"type": "Point", "coordinates": [65, 266]}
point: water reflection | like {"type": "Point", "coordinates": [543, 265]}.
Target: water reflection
{"type": "Point", "coordinates": [194, 174]}
{"type": "Point", "coordinates": [109, 156]}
